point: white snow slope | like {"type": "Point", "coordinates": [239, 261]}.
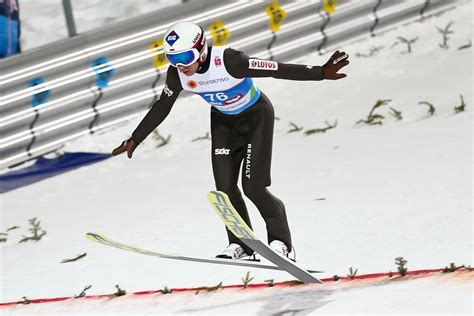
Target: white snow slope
{"type": "Point", "coordinates": [356, 196]}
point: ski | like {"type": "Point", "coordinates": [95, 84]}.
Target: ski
{"type": "Point", "coordinates": [102, 239]}
{"type": "Point", "coordinates": [223, 207]}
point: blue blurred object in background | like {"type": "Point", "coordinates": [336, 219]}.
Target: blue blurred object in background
{"type": "Point", "coordinates": [9, 28]}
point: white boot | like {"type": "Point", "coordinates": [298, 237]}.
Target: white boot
{"type": "Point", "coordinates": [279, 247]}
{"type": "Point", "coordinates": [233, 251]}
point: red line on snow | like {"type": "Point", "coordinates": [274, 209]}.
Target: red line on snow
{"type": "Point", "coordinates": [237, 286]}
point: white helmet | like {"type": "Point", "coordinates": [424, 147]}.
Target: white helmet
{"type": "Point", "coordinates": [184, 43]}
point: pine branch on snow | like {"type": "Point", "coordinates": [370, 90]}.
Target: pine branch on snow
{"type": "Point", "coordinates": [373, 118]}
{"type": "Point", "coordinates": [431, 110]}
{"type": "Point", "coordinates": [460, 108]}
{"type": "Point", "coordinates": [36, 230]}
{"type": "Point", "coordinates": [352, 273]}
{"type": "Point", "coordinates": [321, 130]}
{"type": "Point", "coordinates": [163, 141]}
{"type": "Point", "coordinates": [295, 128]}
{"type": "Point", "coordinates": [408, 42]}
{"type": "Point", "coordinates": [400, 262]}
{"type": "Point", "coordinates": [83, 293]}
{"type": "Point", "coordinates": [119, 292]}
{"type": "Point", "coordinates": [445, 32]}
{"type": "Point", "coordinates": [247, 280]}
{"type": "Point", "coordinates": [396, 114]}
{"type": "Point", "coordinates": [74, 259]}
{"type": "Point", "coordinates": [451, 268]}
{"type": "Point", "coordinates": [465, 46]}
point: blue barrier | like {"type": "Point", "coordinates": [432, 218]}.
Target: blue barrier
{"type": "Point", "coordinates": [45, 168]}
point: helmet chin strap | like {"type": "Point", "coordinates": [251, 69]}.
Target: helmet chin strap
{"type": "Point", "coordinates": [202, 56]}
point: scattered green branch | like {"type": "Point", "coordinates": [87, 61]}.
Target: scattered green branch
{"type": "Point", "coordinates": [163, 141]}
{"type": "Point", "coordinates": [209, 288]}
{"type": "Point", "coordinates": [3, 239]}
{"type": "Point", "coordinates": [321, 130]}
{"type": "Point", "coordinates": [396, 114]}
{"type": "Point", "coordinates": [462, 107]}
{"type": "Point", "coordinates": [13, 228]}
{"type": "Point", "coordinates": [431, 110]}
{"type": "Point", "coordinates": [74, 259]}
{"type": "Point", "coordinates": [465, 46]}
{"type": "Point", "coordinates": [295, 128]}
{"type": "Point", "coordinates": [205, 137]}
{"type": "Point", "coordinates": [83, 293]}
{"type": "Point", "coordinates": [247, 280]}
{"type": "Point", "coordinates": [119, 292]}
{"type": "Point", "coordinates": [25, 301]}
{"type": "Point", "coordinates": [166, 290]}
{"type": "Point", "coordinates": [372, 118]}
{"type": "Point", "coordinates": [270, 282]}
{"type": "Point", "coordinates": [445, 32]}
{"type": "Point", "coordinates": [400, 262]}
{"type": "Point", "coordinates": [408, 42]}
{"type": "Point", "coordinates": [352, 273]}
{"type": "Point", "coordinates": [372, 52]}
{"type": "Point", "coordinates": [451, 268]}
{"type": "Point", "coordinates": [36, 230]}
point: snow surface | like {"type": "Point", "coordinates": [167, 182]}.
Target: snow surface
{"type": "Point", "coordinates": [357, 196]}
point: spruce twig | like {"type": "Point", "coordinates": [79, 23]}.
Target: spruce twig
{"type": "Point", "coordinates": [209, 288]}
{"type": "Point", "coordinates": [431, 110]}
{"type": "Point", "coordinates": [372, 118]}
{"type": "Point", "coordinates": [247, 280]}
{"type": "Point", "coordinates": [36, 230]}
{"type": "Point", "coordinates": [352, 273]}
{"type": "Point", "coordinates": [119, 292]}
{"type": "Point", "coordinates": [25, 301]}
{"type": "Point", "coordinates": [201, 137]}
{"type": "Point", "coordinates": [163, 141]}
{"type": "Point", "coordinates": [295, 128]}
{"type": "Point", "coordinates": [372, 52]}
{"type": "Point", "coordinates": [462, 107]}
{"type": "Point", "coordinates": [400, 262]}
{"type": "Point", "coordinates": [321, 130]}
{"type": "Point", "coordinates": [13, 228]}
{"type": "Point", "coordinates": [396, 114]}
{"type": "Point", "coordinates": [445, 32]}
{"type": "Point", "coordinates": [74, 259]}
{"type": "Point", "coordinates": [270, 282]}
{"type": "Point", "coordinates": [465, 46]}
{"type": "Point", "coordinates": [83, 293]}
{"type": "Point", "coordinates": [166, 290]}
{"type": "Point", "coordinates": [451, 268]}
{"type": "Point", "coordinates": [408, 42]}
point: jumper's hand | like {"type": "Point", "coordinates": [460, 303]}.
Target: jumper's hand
{"type": "Point", "coordinates": [336, 62]}
{"type": "Point", "coordinates": [128, 145]}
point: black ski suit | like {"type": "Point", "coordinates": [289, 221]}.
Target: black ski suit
{"type": "Point", "coordinates": [245, 137]}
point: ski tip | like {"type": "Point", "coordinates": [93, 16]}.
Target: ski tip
{"type": "Point", "coordinates": [93, 236]}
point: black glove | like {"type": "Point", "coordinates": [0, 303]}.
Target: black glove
{"type": "Point", "coordinates": [128, 145]}
{"type": "Point", "coordinates": [336, 62]}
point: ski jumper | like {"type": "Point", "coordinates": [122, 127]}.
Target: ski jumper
{"type": "Point", "coordinates": [242, 120]}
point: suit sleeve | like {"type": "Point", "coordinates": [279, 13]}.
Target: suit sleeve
{"type": "Point", "coordinates": [239, 65]}
{"type": "Point", "coordinates": [161, 107]}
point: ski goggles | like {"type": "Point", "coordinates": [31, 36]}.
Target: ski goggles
{"type": "Point", "coordinates": [185, 58]}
